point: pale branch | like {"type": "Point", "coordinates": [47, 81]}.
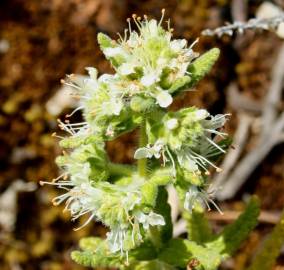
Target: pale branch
{"type": "Point", "coordinates": [273, 97]}
{"type": "Point", "coordinates": [243, 170]}
{"type": "Point", "coordinates": [173, 201]}
{"type": "Point", "coordinates": [232, 156]}
{"type": "Point", "coordinates": [240, 27]}
{"type": "Point", "coordinates": [239, 10]}
{"type": "Point", "coordinates": [240, 102]}
{"type": "Point", "coordinates": [270, 135]}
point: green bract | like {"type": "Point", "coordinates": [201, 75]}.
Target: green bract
{"type": "Point", "coordinates": [151, 68]}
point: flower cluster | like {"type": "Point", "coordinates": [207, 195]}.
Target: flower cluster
{"type": "Point", "coordinates": [150, 69]}
{"type": "Point", "coordinates": [119, 206]}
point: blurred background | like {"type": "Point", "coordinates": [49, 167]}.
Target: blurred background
{"type": "Point", "coordinates": [41, 41]}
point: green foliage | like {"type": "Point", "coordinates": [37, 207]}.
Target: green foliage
{"type": "Point", "coordinates": [270, 250]}
{"type": "Point", "coordinates": [229, 240]}
{"type": "Point", "coordinates": [202, 65]}
{"type": "Point", "coordinates": [180, 252]}
{"type": "Point", "coordinates": [153, 265]}
{"type": "Point", "coordinates": [198, 227]}
{"type": "Point", "coordinates": [163, 208]}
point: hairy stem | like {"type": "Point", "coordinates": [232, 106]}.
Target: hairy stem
{"type": "Point", "coordinates": [120, 169]}
{"type": "Point", "coordinates": [142, 163]}
{"type": "Point", "coordinates": [155, 237]}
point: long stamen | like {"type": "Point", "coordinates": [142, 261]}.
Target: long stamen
{"type": "Point", "coordinates": [216, 145]}
{"type": "Point", "coordinates": [162, 17]}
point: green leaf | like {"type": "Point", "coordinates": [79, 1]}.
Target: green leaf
{"type": "Point", "coordinates": [180, 252]}
{"type": "Point", "coordinates": [267, 255]}
{"type": "Point", "coordinates": [149, 192]}
{"type": "Point", "coordinates": [142, 104]}
{"type": "Point", "coordinates": [90, 243]}
{"type": "Point", "coordinates": [227, 242]}
{"type": "Point", "coordinates": [104, 41]}
{"type": "Point", "coordinates": [90, 259]}
{"type": "Point", "coordinates": [198, 227]}
{"type": "Point", "coordinates": [180, 84]}
{"type": "Point", "coordinates": [153, 265]}
{"type": "Point", "coordinates": [164, 209]}
{"type": "Point", "coordinates": [202, 65]}
{"type": "Point", "coordinates": [146, 251]}
{"type": "Point", "coordinates": [150, 188]}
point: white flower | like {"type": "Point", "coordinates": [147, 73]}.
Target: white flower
{"type": "Point", "coordinates": [201, 114]}
{"type": "Point", "coordinates": [112, 107]}
{"type": "Point", "coordinates": [105, 78]}
{"type": "Point", "coordinates": [178, 44]}
{"type": "Point", "coordinates": [172, 124]}
{"type": "Point", "coordinates": [149, 152]}
{"type": "Point", "coordinates": [90, 85]}
{"type": "Point", "coordinates": [133, 40]}
{"type": "Point", "coordinates": [191, 197]}
{"type": "Point", "coordinates": [142, 152]}
{"type": "Point", "coordinates": [152, 219]}
{"type": "Point", "coordinates": [93, 72]}
{"type": "Point", "coordinates": [164, 99]}
{"type": "Point", "coordinates": [190, 165]}
{"type": "Point", "coordinates": [126, 69]}
{"type": "Point", "coordinates": [115, 239]}
{"type": "Point", "coordinates": [153, 27]}
{"type": "Point", "coordinates": [195, 195]}
{"type": "Point", "coordinates": [112, 52]}
{"type": "Point", "coordinates": [149, 79]}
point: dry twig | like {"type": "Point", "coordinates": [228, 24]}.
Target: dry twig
{"type": "Point", "coordinates": [271, 134]}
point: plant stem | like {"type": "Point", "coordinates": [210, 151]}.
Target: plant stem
{"type": "Point", "coordinates": [120, 169]}
{"type": "Point", "coordinates": [155, 237]}
{"type": "Point", "coordinates": [142, 163]}
{"type": "Point", "coordinates": [142, 170]}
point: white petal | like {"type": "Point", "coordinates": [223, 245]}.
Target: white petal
{"type": "Point", "coordinates": [201, 114]}
{"type": "Point", "coordinates": [153, 27]}
{"type": "Point", "coordinates": [117, 107]}
{"type": "Point", "coordinates": [149, 79]}
{"type": "Point", "coordinates": [190, 165]}
{"type": "Point", "coordinates": [141, 153]}
{"type": "Point", "coordinates": [178, 44]}
{"type": "Point", "coordinates": [164, 99]}
{"type": "Point", "coordinates": [155, 219]}
{"type": "Point", "coordinates": [172, 124]}
{"type": "Point", "coordinates": [111, 52]}
{"type": "Point", "coordinates": [93, 73]}
{"type": "Point", "coordinates": [126, 69]}
{"type": "Point", "coordinates": [105, 78]}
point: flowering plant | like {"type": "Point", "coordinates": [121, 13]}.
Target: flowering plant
{"type": "Point", "coordinates": [175, 148]}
